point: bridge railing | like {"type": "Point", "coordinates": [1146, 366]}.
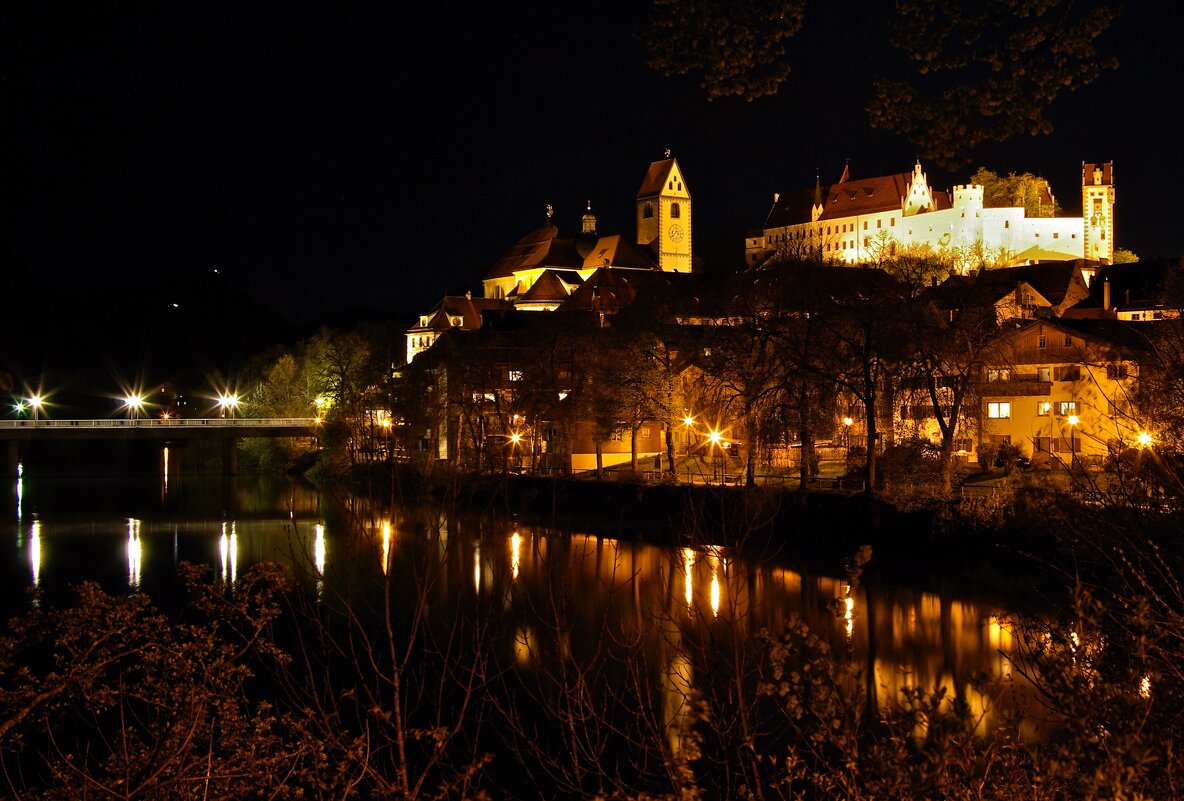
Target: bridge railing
{"type": "Point", "coordinates": [154, 423]}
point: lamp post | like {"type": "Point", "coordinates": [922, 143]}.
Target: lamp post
{"type": "Point", "coordinates": [1144, 439]}
{"type": "Point", "coordinates": [35, 404]}
{"type": "Point", "coordinates": [847, 423]}
{"type": "Point", "coordinates": [228, 402]}
{"type": "Point", "coordinates": [715, 438]}
{"type": "Point", "coordinates": [134, 405]}
{"type": "Point", "coordinates": [1072, 421]}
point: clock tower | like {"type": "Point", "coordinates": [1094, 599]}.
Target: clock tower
{"type": "Point", "coordinates": [1097, 210]}
{"type": "Point", "coordinates": [664, 215]}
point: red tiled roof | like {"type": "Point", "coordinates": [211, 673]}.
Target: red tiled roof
{"type": "Point", "coordinates": [847, 199]}
{"type": "Point", "coordinates": [543, 247]}
{"type": "Point", "coordinates": [655, 178]}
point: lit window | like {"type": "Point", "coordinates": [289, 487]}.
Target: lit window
{"type": "Point", "coordinates": [1065, 408]}
{"type": "Point", "coordinates": [998, 411]}
{"type": "Point", "coordinates": [515, 375]}
{"type": "Point", "coordinates": [1043, 409]}
{"type": "Point", "coordinates": [1043, 374]}
{"type": "Point", "coordinates": [998, 374]}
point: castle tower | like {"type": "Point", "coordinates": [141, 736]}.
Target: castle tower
{"type": "Point", "coordinates": [1097, 209]}
{"type": "Point", "coordinates": [664, 215]}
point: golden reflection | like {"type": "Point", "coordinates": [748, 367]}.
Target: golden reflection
{"type": "Point", "coordinates": [164, 491]}
{"type": "Point", "coordinates": [477, 567]}
{"type": "Point", "coordinates": [714, 594]}
{"type": "Point", "coordinates": [386, 547]}
{"type": "Point", "coordinates": [515, 554]}
{"type": "Point", "coordinates": [134, 554]}
{"type": "Point", "coordinates": [228, 549]}
{"type": "Point", "coordinates": [688, 566]}
{"type": "Point", "coordinates": [318, 549]}
{"type": "Point", "coordinates": [1145, 687]}
{"type": "Point", "coordinates": [20, 488]}
{"type": "Point", "coordinates": [35, 552]}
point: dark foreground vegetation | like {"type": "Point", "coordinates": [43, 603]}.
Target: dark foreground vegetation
{"type": "Point", "coordinates": [260, 690]}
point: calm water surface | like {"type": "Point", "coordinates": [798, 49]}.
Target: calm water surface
{"type": "Point", "coordinates": [553, 591]}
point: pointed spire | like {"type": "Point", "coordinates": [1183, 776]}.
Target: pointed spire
{"type": "Point", "coordinates": [817, 188]}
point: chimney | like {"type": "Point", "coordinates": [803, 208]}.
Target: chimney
{"type": "Point", "coordinates": [1106, 294]}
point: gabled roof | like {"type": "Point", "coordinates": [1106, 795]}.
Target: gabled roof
{"type": "Point", "coordinates": [656, 177]}
{"type": "Point", "coordinates": [1051, 279]}
{"type": "Point", "coordinates": [851, 197]}
{"type": "Point", "coordinates": [542, 247]}
{"type": "Point", "coordinates": [551, 287]}
{"type": "Point", "coordinates": [618, 251]}
{"type": "Point", "coordinates": [471, 310]}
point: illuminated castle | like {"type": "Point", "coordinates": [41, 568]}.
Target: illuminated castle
{"type": "Point", "coordinates": [865, 220]}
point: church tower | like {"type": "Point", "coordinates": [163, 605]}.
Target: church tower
{"type": "Point", "coordinates": [664, 215]}
{"type": "Point", "coordinates": [1097, 209]}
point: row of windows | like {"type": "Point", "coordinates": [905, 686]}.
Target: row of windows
{"type": "Point", "coordinates": [1001, 410]}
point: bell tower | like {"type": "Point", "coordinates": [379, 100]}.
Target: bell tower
{"type": "Point", "coordinates": [664, 215]}
{"type": "Point", "coordinates": [1097, 210]}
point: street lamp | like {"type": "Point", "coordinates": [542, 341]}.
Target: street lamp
{"type": "Point", "coordinates": [1144, 439]}
{"type": "Point", "coordinates": [134, 404]}
{"type": "Point", "coordinates": [847, 423]}
{"type": "Point", "coordinates": [715, 438]}
{"type": "Point", "coordinates": [228, 403]}
{"type": "Point", "coordinates": [1072, 421]}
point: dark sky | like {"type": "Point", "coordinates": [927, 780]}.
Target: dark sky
{"type": "Point", "coordinates": [326, 157]}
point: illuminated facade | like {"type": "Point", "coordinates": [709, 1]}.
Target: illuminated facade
{"type": "Point", "coordinates": [559, 262]}
{"type": "Point", "coordinates": [858, 221]}
{"type": "Point", "coordinates": [1062, 388]}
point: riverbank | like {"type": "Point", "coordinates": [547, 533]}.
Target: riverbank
{"type": "Point", "coordinates": [971, 542]}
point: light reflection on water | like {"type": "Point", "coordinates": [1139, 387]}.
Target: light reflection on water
{"type": "Point", "coordinates": [557, 593]}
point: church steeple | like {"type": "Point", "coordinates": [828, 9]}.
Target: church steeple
{"type": "Point", "coordinates": [664, 215]}
{"type": "Point", "coordinates": [588, 221]}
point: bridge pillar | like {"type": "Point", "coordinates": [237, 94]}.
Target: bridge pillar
{"type": "Point", "coordinates": [230, 456]}
{"type": "Point", "coordinates": [14, 459]}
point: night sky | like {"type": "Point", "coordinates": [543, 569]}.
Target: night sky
{"type": "Point", "coordinates": [327, 158]}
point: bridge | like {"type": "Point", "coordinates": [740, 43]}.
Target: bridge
{"type": "Point", "coordinates": [227, 429]}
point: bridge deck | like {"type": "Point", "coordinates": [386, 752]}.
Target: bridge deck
{"type": "Point", "coordinates": [178, 428]}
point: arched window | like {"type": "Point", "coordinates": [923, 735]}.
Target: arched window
{"type": "Point", "coordinates": [647, 210]}
{"type": "Point", "coordinates": [675, 212]}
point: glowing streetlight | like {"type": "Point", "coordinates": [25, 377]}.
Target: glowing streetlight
{"type": "Point", "coordinates": [134, 404]}
{"type": "Point", "coordinates": [1144, 439]}
{"type": "Point", "coordinates": [688, 421]}
{"type": "Point", "coordinates": [1072, 420]}
{"type": "Point", "coordinates": [715, 437]}
{"type": "Point", "coordinates": [19, 407]}
{"type": "Point", "coordinates": [35, 403]}
{"type": "Point", "coordinates": [515, 438]}
{"type": "Point", "coordinates": [228, 402]}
